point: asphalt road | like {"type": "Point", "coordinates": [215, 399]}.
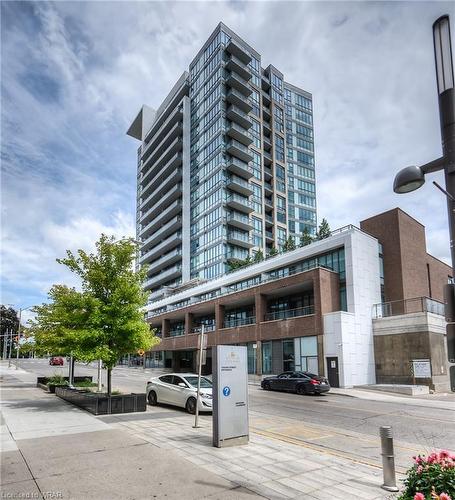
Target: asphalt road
{"type": "Point", "coordinates": [334, 423]}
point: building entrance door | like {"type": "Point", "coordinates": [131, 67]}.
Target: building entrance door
{"type": "Point", "coordinates": [332, 372]}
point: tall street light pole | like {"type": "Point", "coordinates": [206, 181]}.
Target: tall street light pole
{"type": "Point", "coordinates": [411, 178]}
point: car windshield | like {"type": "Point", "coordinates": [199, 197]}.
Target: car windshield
{"type": "Point", "coordinates": [205, 382]}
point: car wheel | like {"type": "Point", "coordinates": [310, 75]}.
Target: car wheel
{"type": "Point", "coordinates": [267, 386]}
{"type": "Point", "coordinates": [152, 398]}
{"type": "Point", "coordinates": [191, 405]}
{"type": "Point", "coordinates": [301, 389]}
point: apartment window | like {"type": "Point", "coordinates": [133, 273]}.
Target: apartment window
{"type": "Point", "coordinates": [279, 148]}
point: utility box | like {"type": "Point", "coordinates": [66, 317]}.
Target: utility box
{"type": "Point", "coordinates": [230, 396]}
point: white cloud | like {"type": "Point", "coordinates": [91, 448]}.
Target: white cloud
{"type": "Point", "coordinates": [75, 73]}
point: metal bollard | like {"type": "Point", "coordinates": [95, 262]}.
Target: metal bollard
{"type": "Point", "coordinates": [388, 459]}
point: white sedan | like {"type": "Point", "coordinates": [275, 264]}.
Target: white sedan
{"type": "Point", "coordinates": [180, 389]}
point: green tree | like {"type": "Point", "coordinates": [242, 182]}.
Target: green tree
{"type": "Point", "coordinates": [258, 256]}
{"type": "Point", "coordinates": [105, 320]}
{"type": "Point", "coordinates": [273, 251]}
{"type": "Point", "coordinates": [306, 238]}
{"type": "Point", "coordinates": [323, 230]}
{"type": "Point", "coordinates": [9, 323]}
{"type": "Point", "coordinates": [289, 244]}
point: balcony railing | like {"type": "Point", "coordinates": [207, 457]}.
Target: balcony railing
{"type": "Point", "coordinates": [289, 313]}
{"type": "Point", "coordinates": [408, 306]}
{"type": "Point", "coordinates": [232, 323]}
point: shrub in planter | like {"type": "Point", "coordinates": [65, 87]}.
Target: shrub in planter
{"type": "Point", "coordinates": [431, 477]}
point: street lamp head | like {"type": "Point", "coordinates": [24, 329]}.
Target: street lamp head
{"type": "Point", "coordinates": [408, 179]}
{"type": "Point", "coordinates": [443, 54]}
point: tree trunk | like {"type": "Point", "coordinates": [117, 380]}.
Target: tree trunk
{"type": "Point", "coordinates": [109, 382]}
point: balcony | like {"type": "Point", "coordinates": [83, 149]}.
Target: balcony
{"type": "Point", "coordinates": [236, 82]}
{"type": "Point", "coordinates": [164, 246]}
{"type": "Point", "coordinates": [265, 82]}
{"type": "Point", "coordinates": [240, 168]}
{"type": "Point", "coordinates": [174, 178]}
{"type": "Point", "coordinates": [269, 236]}
{"type": "Point", "coordinates": [235, 183]}
{"type": "Point", "coordinates": [172, 195]}
{"type": "Point", "coordinates": [236, 65]}
{"type": "Point", "coordinates": [171, 165]}
{"type": "Point", "coordinates": [237, 149]}
{"type": "Point", "coordinates": [237, 50]}
{"type": "Point", "coordinates": [237, 98]}
{"type": "Point", "coordinates": [165, 260]}
{"type": "Point", "coordinates": [268, 203]}
{"type": "Point", "coordinates": [266, 98]}
{"type": "Point", "coordinates": [289, 313]}
{"type": "Point", "coordinates": [239, 220]}
{"type": "Point", "coordinates": [267, 143]}
{"type": "Point", "coordinates": [239, 133]}
{"type": "Point", "coordinates": [240, 239]}
{"type": "Point", "coordinates": [233, 323]}
{"type": "Point", "coordinates": [239, 203]}
{"type": "Point", "coordinates": [267, 158]}
{"type": "Point", "coordinates": [268, 220]}
{"type": "Point", "coordinates": [266, 113]}
{"type": "Point", "coordinates": [172, 210]}
{"type": "Point", "coordinates": [174, 117]}
{"type": "Point", "coordinates": [162, 233]}
{"type": "Point", "coordinates": [266, 127]}
{"type": "Point", "coordinates": [267, 170]}
{"type": "Point", "coordinates": [235, 114]}
{"type": "Point", "coordinates": [268, 187]}
{"type": "Point", "coordinates": [153, 167]}
{"type": "Point", "coordinates": [408, 306]}
{"type": "Point", "coordinates": [154, 152]}
{"type": "Point", "coordinates": [163, 276]}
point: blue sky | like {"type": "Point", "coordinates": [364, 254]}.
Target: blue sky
{"type": "Point", "coordinates": [74, 75]}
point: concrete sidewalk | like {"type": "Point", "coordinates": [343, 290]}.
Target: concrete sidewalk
{"type": "Point", "coordinates": [51, 449]}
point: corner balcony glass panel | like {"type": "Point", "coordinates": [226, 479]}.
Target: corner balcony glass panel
{"type": "Point", "coordinates": [233, 323]}
{"type": "Point", "coordinates": [152, 182]}
{"type": "Point", "coordinates": [239, 220]}
{"type": "Point", "coordinates": [153, 166]}
{"type": "Point", "coordinates": [162, 233]}
{"type": "Point", "coordinates": [239, 150]}
{"type": "Point", "coordinates": [237, 98]}
{"type": "Point", "coordinates": [160, 191]}
{"type": "Point", "coordinates": [235, 183]}
{"type": "Point", "coordinates": [171, 211]}
{"type": "Point", "coordinates": [289, 313]}
{"type": "Point", "coordinates": [165, 260]}
{"type": "Point", "coordinates": [237, 82]}
{"type": "Point", "coordinates": [239, 67]}
{"type": "Point", "coordinates": [239, 133]}
{"type": "Point", "coordinates": [239, 167]}
{"type": "Point", "coordinates": [235, 114]}
{"type": "Point", "coordinates": [237, 50]}
{"type": "Point", "coordinates": [240, 239]}
{"type": "Point", "coordinates": [166, 275]}
{"type": "Point", "coordinates": [239, 203]}
{"type": "Point", "coordinates": [171, 242]}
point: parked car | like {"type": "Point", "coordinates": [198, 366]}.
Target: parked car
{"type": "Point", "coordinates": [180, 389]}
{"type": "Point", "coordinates": [299, 382]}
{"type": "Point", "coordinates": [56, 361]}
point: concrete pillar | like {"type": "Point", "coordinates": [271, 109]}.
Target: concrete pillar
{"type": "Point", "coordinates": [219, 316]}
{"type": "Point", "coordinates": [165, 328]}
{"type": "Point", "coordinates": [260, 306]}
{"type": "Point", "coordinates": [188, 323]}
{"type": "Point", "coordinates": [258, 357]}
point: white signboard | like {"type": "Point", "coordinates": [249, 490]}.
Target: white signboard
{"type": "Point", "coordinates": [230, 396]}
{"type": "Point", "coordinates": [421, 368]}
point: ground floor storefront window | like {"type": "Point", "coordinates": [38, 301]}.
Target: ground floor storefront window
{"type": "Point", "coordinates": [267, 357]}
{"type": "Point", "coordinates": [306, 354]}
{"type": "Point", "coordinates": [288, 355]}
{"type": "Point", "coordinates": [251, 349]}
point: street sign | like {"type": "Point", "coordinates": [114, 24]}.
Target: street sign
{"type": "Point", "coordinates": [204, 358]}
{"type": "Point", "coordinates": [421, 368]}
{"type": "Point", "coordinates": [230, 396]}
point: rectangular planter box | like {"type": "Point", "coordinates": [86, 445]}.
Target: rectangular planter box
{"type": "Point", "coordinates": [41, 382]}
{"type": "Point", "coordinates": [100, 404]}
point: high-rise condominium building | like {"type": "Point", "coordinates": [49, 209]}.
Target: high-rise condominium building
{"type": "Point", "coordinates": [225, 166]}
